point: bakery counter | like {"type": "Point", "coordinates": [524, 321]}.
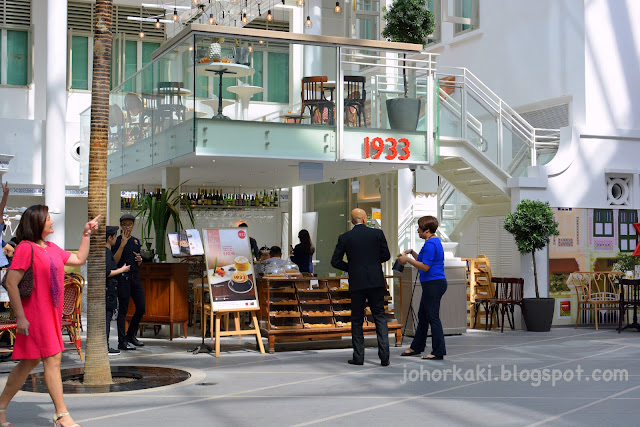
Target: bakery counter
{"type": "Point", "coordinates": [304, 308]}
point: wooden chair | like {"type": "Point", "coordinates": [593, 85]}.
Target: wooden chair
{"type": "Point", "coordinates": [198, 292]}
{"type": "Point", "coordinates": [70, 314]}
{"type": "Point", "coordinates": [629, 299]}
{"type": "Point", "coordinates": [116, 125]}
{"type": "Point", "coordinates": [8, 326]}
{"type": "Point", "coordinates": [596, 291]}
{"type": "Point", "coordinates": [486, 303]}
{"type": "Point", "coordinates": [355, 97]}
{"type": "Point", "coordinates": [509, 293]}
{"type": "Point", "coordinates": [169, 102]}
{"type": "Point", "coordinates": [313, 98]}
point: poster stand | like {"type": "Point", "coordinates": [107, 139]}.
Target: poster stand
{"type": "Point", "coordinates": [236, 318]}
{"type": "Point", "coordinates": [202, 347]}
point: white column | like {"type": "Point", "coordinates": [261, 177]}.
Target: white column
{"type": "Point", "coordinates": [170, 178]}
{"type": "Point", "coordinates": [55, 125]}
{"type": "Point", "coordinates": [389, 207]}
{"type": "Point", "coordinates": [113, 204]}
{"type": "Point", "coordinates": [297, 202]}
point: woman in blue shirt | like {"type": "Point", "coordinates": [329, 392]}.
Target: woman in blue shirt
{"type": "Point", "coordinates": [430, 263]}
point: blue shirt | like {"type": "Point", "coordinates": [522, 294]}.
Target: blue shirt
{"type": "Point", "coordinates": [3, 259]}
{"type": "Point", "coordinates": [432, 254]}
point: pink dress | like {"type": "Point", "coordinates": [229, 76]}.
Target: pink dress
{"type": "Point", "coordinates": [43, 309]}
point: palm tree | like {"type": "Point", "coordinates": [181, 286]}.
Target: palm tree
{"type": "Point", "coordinates": [97, 370]}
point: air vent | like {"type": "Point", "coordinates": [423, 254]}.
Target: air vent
{"type": "Point", "coordinates": [81, 16]}
{"type": "Point", "coordinates": [263, 24]}
{"type": "Point", "coordinates": [619, 189]}
{"type": "Point", "coordinates": [555, 117]}
{"type": "Point", "coordinates": [15, 12]}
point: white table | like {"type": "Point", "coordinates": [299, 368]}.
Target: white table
{"type": "Point", "coordinates": [222, 68]}
{"type": "Point", "coordinates": [245, 93]}
{"type": "Point", "coordinates": [215, 101]}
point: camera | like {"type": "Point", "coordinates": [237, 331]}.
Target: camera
{"type": "Point", "coordinates": [412, 168]}
{"type": "Point", "coordinates": [333, 180]}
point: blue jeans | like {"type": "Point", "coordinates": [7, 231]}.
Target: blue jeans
{"type": "Point", "coordinates": [429, 315]}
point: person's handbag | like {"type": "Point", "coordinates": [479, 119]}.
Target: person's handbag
{"type": "Point", "coordinates": [25, 285]}
{"type": "Point", "coordinates": [398, 266]}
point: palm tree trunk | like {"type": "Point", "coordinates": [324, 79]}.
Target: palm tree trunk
{"type": "Point", "coordinates": [97, 370]}
{"type": "Point", "coordinates": [535, 273]}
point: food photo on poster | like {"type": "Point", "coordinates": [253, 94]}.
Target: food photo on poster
{"type": "Point", "coordinates": [229, 268]}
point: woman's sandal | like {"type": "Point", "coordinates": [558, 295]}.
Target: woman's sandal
{"type": "Point", "coordinates": [432, 357]}
{"type": "Point", "coordinates": [6, 423]}
{"type": "Point", "coordinates": [410, 352]}
{"type": "Point", "coordinates": [56, 417]}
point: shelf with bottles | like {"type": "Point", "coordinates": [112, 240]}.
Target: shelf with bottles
{"type": "Point", "coordinates": [213, 198]}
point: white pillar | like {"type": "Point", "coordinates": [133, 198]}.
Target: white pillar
{"type": "Point", "coordinates": [114, 192]}
{"type": "Point", "coordinates": [170, 178]}
{"type": "Point", "coordinates": [389, 207]}
{"type": "Point", "coordinates": [55, 125]}
{"type": "Point", "coordinates": [297, 202]}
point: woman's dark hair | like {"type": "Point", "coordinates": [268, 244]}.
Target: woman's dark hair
{"type": "Point", "coordinates": [305, 240]}
{"type": "Point", "coordinates": [428, 223]}
{"type": "Point", "coordinates": [32, 223]}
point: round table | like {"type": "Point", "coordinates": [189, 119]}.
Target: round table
{"type": "Point", "coordinates": [245, 93]}
{"type": "Point", "coordinates": [222, 68]}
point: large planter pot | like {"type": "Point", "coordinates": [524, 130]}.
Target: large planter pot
{"type": "Point", "coordinates": [403, 113]}
{"type": "Point", "coordinates": [538, 313]}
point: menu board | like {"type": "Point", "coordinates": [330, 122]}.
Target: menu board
{"type": "Point", "coordinates": [229, 269]}
{"type": "Point", "coordinates": [185, 243]}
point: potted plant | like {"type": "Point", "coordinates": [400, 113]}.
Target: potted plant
{"type": "Point", "coordinates": [156, 210]}
{"type": "Point", "coordinates": [407, 21]}
{"type": "Point", "coordinates": [532, 224]}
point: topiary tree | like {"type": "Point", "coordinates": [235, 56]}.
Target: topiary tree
{"type": "Point", "coordinates": [408, 21]}
{"type": "Point", "coordinates": [532, 224]}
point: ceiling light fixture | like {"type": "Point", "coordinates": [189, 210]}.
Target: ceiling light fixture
{"type": "Point", "coordinates": [337, 9]}
{"type": "Point", "coordinates": [157, 23]}
{"type": "Point", "coordinates": [308, 23]}
{"type": "Point", "coordinates": [211, 21]}
{"type": "Point", "coordinates": [300, 2]}
{"type": "Point", "coordinates": [269, 16]}
{"type": "Point", "coordinates": [244, 18]}
{"type": "Point", "coordinates": [175, 15]}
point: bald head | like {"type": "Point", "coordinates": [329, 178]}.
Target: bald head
{"type": "Point", "coordinates": [358, 216]}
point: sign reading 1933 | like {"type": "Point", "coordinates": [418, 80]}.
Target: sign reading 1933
{"type": "Point", "coordinates": [375, 148]}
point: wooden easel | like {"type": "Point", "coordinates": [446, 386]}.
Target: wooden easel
{"type": "Point", "coordinates": [236, 318]}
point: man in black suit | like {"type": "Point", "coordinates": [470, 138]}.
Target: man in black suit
{"type": "Point", "coordinates": [366, 248]}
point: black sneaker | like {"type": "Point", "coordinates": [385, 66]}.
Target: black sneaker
{"type": "Point", "coordinates": [126, 346]}
{"type": "Point", "coordinates": [113, 351]}
{"type": "Point", "coordinates": [134, 341]}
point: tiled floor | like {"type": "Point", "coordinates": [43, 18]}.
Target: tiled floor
{"type": "Point", "coordinates": [311, 384]}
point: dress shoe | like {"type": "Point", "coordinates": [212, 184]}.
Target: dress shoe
{"type": "Point", "coordinates": [354, 362]}
{"type": "Point", "coordinates": [134, 341]}
{"type": "Point", "coordinates": [113, 351]}
{"type": "Point", "coordinates": [432, 357]}
{"type": "Point", "coordinates": [126, 346]}
{"type": "Point", "coordinates": [385, 362]}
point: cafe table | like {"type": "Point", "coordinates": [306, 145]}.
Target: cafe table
{"type": "Point", "coordinates": [223, 69]}
{"type": "Point", "coordinates": [245, 93]}
{"type": "Point", "coordinates": [629, 297]}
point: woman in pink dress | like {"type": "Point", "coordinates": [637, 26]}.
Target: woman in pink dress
{"type": "Point", "coordinates": [39, 316]}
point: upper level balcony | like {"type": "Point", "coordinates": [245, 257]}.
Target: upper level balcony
{"type": "Point", "coordinates": [259, 103]}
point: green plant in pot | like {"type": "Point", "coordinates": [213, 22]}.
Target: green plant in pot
{"type": "Point", "coordinates": [532, 225]}
{"type": "Point", "coordinates": [407, 21]}
{"type": "Point", "coordinates": [156, 210]}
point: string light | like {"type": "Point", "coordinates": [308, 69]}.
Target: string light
{"type": "Point", "coordinates": [308, 23]}
{"type": "Point", "coordinates": [195, 1]}
{"type": "Point", "coordinates": [300, 2]}
{"type": "Point", "coordinates": [141, 34]}
{"type": "Point", "coordinates": [337, 9]}
{"type": "Point", "coordinates": [261, 41]}
{"type": "Point", "coordinates": [250, 47]}
{"type": "Point", "coordinates": [244, 18]}
{"type": "Point", "coordinates": [157, 23]}
{"type": "Point", "coordinates": [269, 16]}
{"type": "Point", "coordinates": [175, 15]}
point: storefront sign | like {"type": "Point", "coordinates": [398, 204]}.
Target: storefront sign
{"type": "Point", "coordinates": [396, 149]}
{"type": "Point", "coordinates": [185, 243]}
{"type": "Point", "coordinates": [230, 269]}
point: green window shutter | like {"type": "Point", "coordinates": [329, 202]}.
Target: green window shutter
{"type": "Point", "coordinates": [603, 223]}
{"type": "Point", "coordinates": [17, 57]}
{"type": "Point", "coordinates": [80, 62]}
{"type": "Point", "coordinates": [627, 236]}
{"type": "Point", "coordinates": [278, 77]}
{"type": "Point", "coordinates": [147, 49]}
{"type": "Point", "coordinates": [258, 75]}
{"type": "Point", "coordinates": [115, 62]}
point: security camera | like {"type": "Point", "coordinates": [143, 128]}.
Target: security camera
{"type": "Point", "coordinates": [333, 180]}
{"type": "Point", "coordinates": [412, 168]}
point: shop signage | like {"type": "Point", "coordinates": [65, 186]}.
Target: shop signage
{"type": "Point", "coordinates": [395, 149]}
{"type": "Point", "coordinates": [229, 269]}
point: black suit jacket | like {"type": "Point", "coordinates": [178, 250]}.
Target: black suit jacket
{"type": "Point", "coordinates": [366, 249]}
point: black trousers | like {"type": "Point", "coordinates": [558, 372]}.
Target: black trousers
{"type": "Point", "coordinates": [129, 287]}
{"type": "Point", "coordinates": [375, 297]}
{"type": "Point", "coordinates": [429, 315]}
{"type": "Point", "coordinates": [111, 303]}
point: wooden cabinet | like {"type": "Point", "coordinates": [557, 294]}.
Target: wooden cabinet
{"type": "Point", "coordinates": [165, 293]}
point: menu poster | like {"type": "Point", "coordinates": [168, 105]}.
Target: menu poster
{"type": "Point", "coordinates": [185, 243]}
{"type": "Point", "coordinates": [230, 269]}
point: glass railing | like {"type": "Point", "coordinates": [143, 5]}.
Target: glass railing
{"type": "Point", "coordinates": [271, 96]}
{"type": "Point", "coordinates": [453, 207]}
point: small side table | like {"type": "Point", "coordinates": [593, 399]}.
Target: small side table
{"type": "Point", "coordinates": [630, 298]}
{"type": "Point", "coordinates": [245, 93]}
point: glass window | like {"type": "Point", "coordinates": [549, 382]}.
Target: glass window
{"type": "Point", "coordinates": [278, 77]}
{"type": "Point", "coordinates": [130, 62]}
{"type": "Point", "coordinates": [17, 57]}
{"type": "Point", "coordinates": [603, 223]}
{"type": "Point", "coordinates": [258, 75]}
{"type": "Point", "coordinates": [626, 231]}
{"type": "Point", "coordinates": [464, 9]}
{"type": "Point", "coordinates": [115, 61]}
{"type": "Point", "coordinates": [80, 62]}
{"type": "Point", "coordinates": [147, 49]}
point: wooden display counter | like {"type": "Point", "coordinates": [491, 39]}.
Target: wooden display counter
{"type": "Point", "coordinates": [310, 307]}
{"type": "Point", "coordinates": [166, 295]}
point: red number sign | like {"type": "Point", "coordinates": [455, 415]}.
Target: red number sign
{"type": "Point", "coordinates": [377, 145]}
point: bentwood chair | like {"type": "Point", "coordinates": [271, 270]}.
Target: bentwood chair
{"type": "Point", "coordinates": [355, 98]}
{"type": "Point", "coordinates": [486, 302]}
{"type": "Point", "coordinates": [70, 312]}
{"type": "Point", "coordinates": [509, 293]}
{"type": "Point", "coordinates": [320, 108]}
{"type": "Point", "coordinates": [169, 102]}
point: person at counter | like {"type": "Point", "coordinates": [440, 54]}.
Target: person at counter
{"type": "Point", "coordinates": [430, 262]}
{"type": "Point", "coordinates": [126, 250]}
{"type": "Point", "coordinates": [302, 254]}
{"type": "Point", "coordinates": [254, 245]}
{"type": "Point", "coordinates": [366, 249]}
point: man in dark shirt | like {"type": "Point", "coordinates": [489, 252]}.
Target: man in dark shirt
{"type": "Point", "coordinates": [126, 250]}
{"type": "Point", "coordinates": [111, 294]}
{"type": "Point", "coordinates": [254, 245]}
{"type": "Point", "coordinates": [366, 249]}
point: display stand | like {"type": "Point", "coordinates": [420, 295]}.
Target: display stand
{"type": "Point", "coordinates": [202, 347]}
{"type": "Point", "coordinates": [410, 310]}
{"type": "Point", "coordinates": [236, 319]}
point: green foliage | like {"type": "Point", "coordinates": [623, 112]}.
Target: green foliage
{"type": "Point", "coordinates": [532, 224]}
{"type": "Point", "coordinates": [408, 21]}
{"type": "Point", "coordinates": [156, 212]}
{"type": "Point", "coordinates": [558, 283]}
{"type": "Point", "coordinates": [626, 262]}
